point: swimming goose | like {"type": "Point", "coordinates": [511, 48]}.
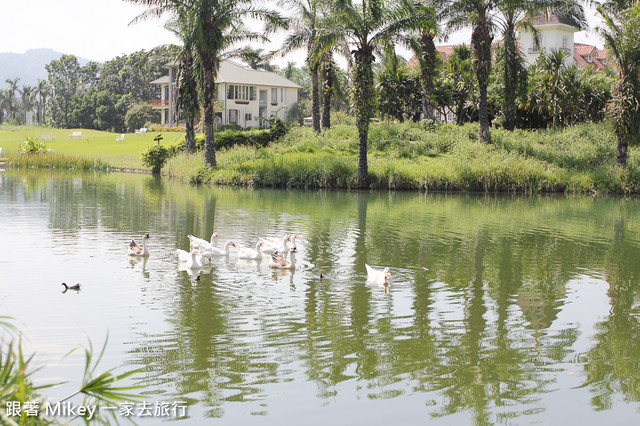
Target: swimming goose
{"type": "Point", "coordinates": [279, 261]}
{"type": "Point", "coordinates": [136, 249]}
{"type": "Point", "coordinates": [247, 253]}
{"type": "Point", "coordinates": [191, 260]}
{"type": "Point", "coordinates": [200, 244]}
{"type": "Point", "coordinates": [272, 245]}
{"type": "Point", "coordinates": [71, 287]}
{"type": "Point", "coordinates": [215, 251]}
{"type": "Point", "coordinates": [378, 276]}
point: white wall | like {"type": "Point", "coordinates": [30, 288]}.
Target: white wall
{"type": "Point", "coordinates": [278, 107]}
{"type": "Point", "coordinates": [551, 37]}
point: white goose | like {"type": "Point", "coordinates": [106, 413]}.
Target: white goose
{"type": "Point", "coordinates": [272, 245]}
{"type": "Point", "coordinates": [378, 276]}
{"type": "Point", "coordinates": [247, 253]}
{"type": "Point", "coordinates": [136, 249]}
{"type": "Point", "coordinates": [200, 244]}
{"type": "Point", "coordinates": [215, 251]}
{"type": "Point", "coordinates": [191, 260]}
{"type": "Point", "coordinates": [280, 262]}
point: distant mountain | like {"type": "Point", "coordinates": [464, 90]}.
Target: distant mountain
{"type": "Point", "coordinates": [29, 66]}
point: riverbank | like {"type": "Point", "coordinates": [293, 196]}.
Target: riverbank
{"type": "Point", "coordinates": [580, 159]}
{"type": "Point", "coordinates": [405, 156]}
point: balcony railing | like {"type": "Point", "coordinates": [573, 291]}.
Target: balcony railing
{"type": "Point", "coordinates": [160, 102]}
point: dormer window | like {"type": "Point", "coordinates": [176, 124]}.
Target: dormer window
{"type": "Point", "coordinates": [589, 58]}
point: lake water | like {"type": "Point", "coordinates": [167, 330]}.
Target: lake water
{"type": "Point", "coordinates": [500, 309]}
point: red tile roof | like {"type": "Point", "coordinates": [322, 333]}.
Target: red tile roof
{"type": "Point", "coordinates": [584, 49]}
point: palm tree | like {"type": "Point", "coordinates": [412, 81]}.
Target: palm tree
{"type": "Point", "coordinates": [478, 13]}
{"type": "Point", "coordinates": [12, 89]}
{"type": "Point", "coordinates": [28, 94]}
{"type": "Point", "coordinates": [303, 32]}
{"type": "Point", "coordinates": [365, 26]}
{"type": "Point", "coordinates": [424, 47]}
{"type": "Point", "coordinates": [213, 26]}
{"type": "Point", "coordinates": [255, 58]}
{"type": "Point", "coordinates": [553, 64]}
{"type": "Point", "coordinates": [4, 103]}
{"type": "Point", "coordinates": [187, 99]}
{"type": "Point", "coordinates": [43, 90]}
{"type": "Point", "coordinates": [622, 20]}
{"type": "Point", "coordinates": [328, 77]}
{"type": "Point", "coordinates": [517, 15]}
{"type": "Point", "coordinates": [459, 79]}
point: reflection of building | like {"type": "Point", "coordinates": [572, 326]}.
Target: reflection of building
{"type": "Point", "coordinates": [537, 310]}
{"type": "Point", "coordinates": [244, 94]}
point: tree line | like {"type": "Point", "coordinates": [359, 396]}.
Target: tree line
{"type": "Point", "coordinates": [93, 96]}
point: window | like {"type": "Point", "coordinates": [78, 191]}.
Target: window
{"type": "Point", "coordinates": [233, 116]}
{"type": "Point", "coordinates": [241, 93]}
{"type": "Point", "coordinates": [534, 48]}
{"type": "Point", "coordinates": [166, 92]}
{"type": "Point", "coordinates": [565, 42]}
{"type": "Point", "coordinates": [274, 94]}
{"type": "Point", "coordinates": [247, 117]}
{"type": "Point", "coordinates": [283, 94]}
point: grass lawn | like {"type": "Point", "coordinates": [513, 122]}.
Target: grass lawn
{"type": "Point", "coordinates": [93, 143]}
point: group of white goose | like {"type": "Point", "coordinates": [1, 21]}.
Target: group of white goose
{"type": "Point", "coordinates": [282, 252]}
{"type": "Point", "coordinates": [201, 251]}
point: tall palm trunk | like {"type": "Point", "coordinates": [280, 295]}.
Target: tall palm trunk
{"type": "Point", "coordinates": [363, 102]}
{"type": "Point", "coordinates": [427, 72]}
{"type": "Point", "coordinates": [510, 79]}
{"type": "Point", "coordinates": [187, 101]}
{"type": "Point", "coordinates": [208, 105]}
{"type": "Point", "coordinates": [481, 39]}
{"type": "Point", "coordinates": [315, 95]}
{"type": "Point", "coordinates": [622, 113]}
{"type": "Point", "coordinates": [327, 89]}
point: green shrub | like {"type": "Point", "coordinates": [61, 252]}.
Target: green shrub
{"type": "Point", "coordinates": [155, 157]}
{"type": "Point", "coordinates": [33, 146]}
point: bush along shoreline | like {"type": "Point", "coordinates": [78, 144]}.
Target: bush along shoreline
{"type": "Point", "coordinates": [406, 156]}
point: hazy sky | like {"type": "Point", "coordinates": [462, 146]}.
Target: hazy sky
{"type": "Point", "coordinates": [99, 29]}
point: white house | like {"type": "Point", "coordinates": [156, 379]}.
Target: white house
{"type": "Point", "coordinates": [244, 94]}
{"type": "Point", "coordinates": [557, 34]}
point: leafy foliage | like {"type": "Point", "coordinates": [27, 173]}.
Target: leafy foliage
{"type": "Point", "coordinates": [33, 146]}
{"type": "Point", "coordinates": [155, 157]}
{"type": "Point", "coordinates": [139, 115]}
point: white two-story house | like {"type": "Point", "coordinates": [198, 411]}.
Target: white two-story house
{"type": "Point", "coordinates": [244, 94]}
{"type": "Point", "coordinates": [558, 34]}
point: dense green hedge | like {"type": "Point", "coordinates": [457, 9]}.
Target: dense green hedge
{"type": "Point", "coordinates": [229, 138]}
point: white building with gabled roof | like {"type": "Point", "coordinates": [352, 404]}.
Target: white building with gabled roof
{"type": "Point", "coordinates": [244, 95]}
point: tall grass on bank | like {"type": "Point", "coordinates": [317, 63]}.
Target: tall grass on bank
{"type": "Point", "coordinates": [52, 160]}
{"type": "Point", "coordinates": [408, 157]}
